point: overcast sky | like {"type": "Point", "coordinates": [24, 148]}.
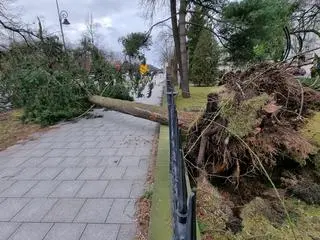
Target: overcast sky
{"type": "Point", "coordinates": [113, 18]}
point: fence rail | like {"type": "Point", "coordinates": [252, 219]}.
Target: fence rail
{"type": "Point", "coordinates": [183, 203]}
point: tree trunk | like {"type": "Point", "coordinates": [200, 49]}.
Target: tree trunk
{"type": "Point", "coordinates": [183, 49]}
{"type": "Point", "coordinates": [141, 110]}
{"type": "Point", "coordinates": [146, 111]}
{"type": "Point", "coordinates": [175, 33]}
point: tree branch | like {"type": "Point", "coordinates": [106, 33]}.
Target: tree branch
{"type": "Point", "coordinates": [20, 31]}
{"type": "Point", "coordinates": [306, 31]}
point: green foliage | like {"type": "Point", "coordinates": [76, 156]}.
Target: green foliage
{"type": "Point", "coordinates": [197, 24]}
{"type": "Point", "coordinates": [242, 118]}
{"type": "Point", "coordinates": [50, 85]}
{"type": "Point", "coordinates": [254, 29]}
{"type": "Point", "coordinates": [313, 83]}
{"type": "Point", "coordinates": [134, 42]}
{"type": "Point", "coordinates": [204, 66]}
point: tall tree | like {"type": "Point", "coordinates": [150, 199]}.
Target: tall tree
{"type": "Point", "coordinates": [183, 49]}
{"type": "Point", "coordinates": [204, 65]}
{"type": "Point", "coordinates": [175, 34]}
{"type": "Point", "coordinates": [196, 24]}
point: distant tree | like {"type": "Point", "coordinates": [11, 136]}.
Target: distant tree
{"type": "Point", "coordinates": [254, 29]}
{"type": "Point", "coordinates": [134, 42]}
{"type": "Point", "coordinates": [196, 24]}
{"type": "Point", "coordinates": [204, 66]}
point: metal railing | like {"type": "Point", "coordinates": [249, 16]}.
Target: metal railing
{"type": "Point", "coordinates": [183, 203]}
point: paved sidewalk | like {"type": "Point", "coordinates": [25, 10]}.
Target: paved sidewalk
{"type": "Point", "coordinates": [79, 181]}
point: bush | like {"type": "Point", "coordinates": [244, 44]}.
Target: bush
{"type": "Point", "coordinates": [204, 65]}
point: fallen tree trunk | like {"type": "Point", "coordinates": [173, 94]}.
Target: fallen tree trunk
{"type": "Point", "coordinates": [141, 110]}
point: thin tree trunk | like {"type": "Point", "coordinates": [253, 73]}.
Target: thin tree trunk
{"type": "Point", "coordinates": [183, 49]}
{"type": "Point", "coordinates": [175, 33]}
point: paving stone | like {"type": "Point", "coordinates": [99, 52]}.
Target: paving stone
{"type": "Point", "coordinates": [65, 231]}
{"type": "Point", "coordinates": [89, 161]}
{"type": "Point", "coordinates": [70, 162]}
{"type": "Point", "coordinates": [91, 173]}
{"type": "Point", "coordinates": [4, 184]}
{"type": "Point", "coordinates": [137, 189]}
{"type": "Point", "coordinates": [73, 152]}
{"type": "Point", "coordinates": [56, 152]}
{"type": "Point", "coordinates": [92, 189]}
{"type": "Point", "coordinates": [42, 189]}
{"type": "Point", "coordinates": [135, 173]}
{"type": "Point", "coordinates": [35, 210]}
{"type": "Point", "coordinates": [118, 189]}
{"type": "Point", "coordinates": [9, 173]}
{"type": "Point", "coordinates": [27, 173]}
{"type": "Point", "coordinates": [31, 231]}
{"type": "Point", "coordinates": [6, 229]}
{"type": "Point", "coordinates": [33, 162]}
{"type": "Point", "coordinates": [52, 161]}
{"type": "Point", "coordinates": [142, 151]}
{"type": "Point", "coordinates": [65, 210]}
{"type": "Point", "coordinates": [18, 189]}
{"type": "Point", "coordinates": [15, 161]}
{"type": "Point", "coordinates": [59, 145]}
{"type": "Point", "coordinates": [113, 173]}
{"type": "Point", "coordinates": [100, 232]}
{"type": "Point", "coordinates": [74, 145]}
{"type": "Point", "coordinates": [90, 152]}
{"type": "Point", "coordinates": [127, 232]}
{"type": "Point", "coordinates": [20, 153]}
{"type": "Point", "coordinates": [144, 163]}
{"type": "Point", "coordinates": [108, 152]}
{"type": "Point", "coordinates": [111, 161]}
{"type": "Point", "coordinates": [90, 144]}
{"type": "Point", "coordinates": [39, 152]}
{"type": "Point", "coordinates": [129, 161]}
{"type": "Point", "coordinates": [48, 173]}
{"type": "Point", "coordinates": [89, 135]}
{"type": "Point", "coordinates": [67, 189]}
{"type": "Point", "coordinates": [122, 211]}
{"type": "Point", "coordinates": [10, 207]}
{"type": "Point", "coordinates": [105, 142]}
{"type": "Point", "coordinates": [43, 146]}
{"type": "Point", "coordinates": [94, 211]}
{"type": "Point", "coordinates": [69, 173]}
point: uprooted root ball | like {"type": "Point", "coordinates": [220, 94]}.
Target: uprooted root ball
{"type": "Point", "coordinates": [253, 127]}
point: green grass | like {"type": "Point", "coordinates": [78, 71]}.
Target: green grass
{"type": "Point", "coordinates": [160, 221]}
{"type": "Point", "coordinates": [198, 98]}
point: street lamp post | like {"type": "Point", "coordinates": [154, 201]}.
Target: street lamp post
{"type": "Point", "coordinates": [62, 20]}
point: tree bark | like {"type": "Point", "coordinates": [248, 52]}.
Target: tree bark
{"type": "Point", "coordinates": [141, 110]}
{"type": "Point", "coordinates": [183, 49]}
{"type": "Point", "coordinates": [175, 33]}
{"type": "Point", "coordinates": [146, 111]}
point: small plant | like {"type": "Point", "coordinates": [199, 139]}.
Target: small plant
{"type": "Point", "coordinates": [148, 193]}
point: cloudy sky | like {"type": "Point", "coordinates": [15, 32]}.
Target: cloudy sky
{"type": "Point", "coordinates": [112, 18]}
